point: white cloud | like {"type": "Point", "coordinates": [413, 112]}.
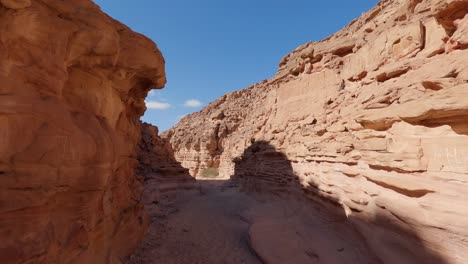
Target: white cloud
{"type": "Point", "coordinates": [192, 103]}
{"type": "Point", "coordinates": [151, 93]}
{"type": "Point", "coordinates": [157, 105]}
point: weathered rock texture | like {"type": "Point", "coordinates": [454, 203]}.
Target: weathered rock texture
{"type": "Point", "coordinates": [163, 178]}
{"type": "Point", "coordinates": [374, 122]}
{"type": "Point", "coordinates": [158, 167]}
{"type": "Point", "coordinates": [73, 83]}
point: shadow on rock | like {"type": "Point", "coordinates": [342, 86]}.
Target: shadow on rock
{"type": "Point", "coordinates": [319, 230]}
{"type": "Point", "coordinates": [157, 167]}
{"type": "Point", "coordinates": [281, 220]}
{"type": "Point", "coordinates": [262, 168]}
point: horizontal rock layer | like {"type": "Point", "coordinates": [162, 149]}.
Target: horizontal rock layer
{"type": "Point", "coordinates": [370, 123]}
{"type": "Point", "coordinates": [73, 83]}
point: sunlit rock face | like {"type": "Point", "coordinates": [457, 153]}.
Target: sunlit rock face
{"type": "Point", "coordinates": [373, 120]}
{"type": "Point", "coordinates": [72, 89]}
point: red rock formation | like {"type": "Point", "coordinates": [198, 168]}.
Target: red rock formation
{"type": "Point", "coordinates": [163, 178]}
{"type": "Point", "coordinates": [158, 167]}
{"type": "Point", "coordinates": [73, 83]}
{"type": "Point", "coordinates": [373, 123]}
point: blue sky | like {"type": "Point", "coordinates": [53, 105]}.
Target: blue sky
{"type": "Point", "coordinates": [213, 47]}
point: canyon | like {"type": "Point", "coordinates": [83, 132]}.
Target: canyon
{"type": "Point", "coordinates": [355, 151]}
{"type": "Point", "coordinates": [369, 124]}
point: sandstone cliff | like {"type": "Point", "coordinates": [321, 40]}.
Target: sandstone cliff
{"type": "Point", "coordinates": [73, 83]}
{"type": "Point", "coordinates": [373, 122]}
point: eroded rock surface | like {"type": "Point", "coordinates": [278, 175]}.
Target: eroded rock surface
{"type": "Point", "coordinates": [73, 83]}
{"type": "Point", "coordinates": [158, 167]}
{"type": "Point", "coordinates": [373, 123]}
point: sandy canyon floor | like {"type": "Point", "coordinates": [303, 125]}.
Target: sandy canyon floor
{"type": "Point", "coordinates": [220, 223]}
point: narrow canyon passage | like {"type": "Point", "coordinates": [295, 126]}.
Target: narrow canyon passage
{"type": "Point", "coordinates": [354, 151]}
{"type": "Point", "coordinates": [217, 222]}
{"type": "Point", "coordinates": [204, 225]}
{"type": "Point", "coordinates": [261, 213]}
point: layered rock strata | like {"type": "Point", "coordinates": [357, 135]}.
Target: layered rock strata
{"type": "Point", "coordinates": [73, 83]}
{"type": "Point", "coordinates": [373, 121]}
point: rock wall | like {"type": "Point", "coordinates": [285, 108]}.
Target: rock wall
{"type": "Point", "coordinates": [73, 83]}
{"type": "Point", "coordinates": [373, 123]}
{"type": "Point", "coordinates": [158, 167]}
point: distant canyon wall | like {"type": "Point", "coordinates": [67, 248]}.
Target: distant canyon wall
{"type": "Point", "coordinates": [373, 121]}
{"type": "Point", "coordinates": [73, 83]}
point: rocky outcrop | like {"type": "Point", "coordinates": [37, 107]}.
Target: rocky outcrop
{"type": "Point", "coordinates": [372, 121]}
{"type": "Point", "coordinates": [164, 180]}
{"type": "Point", "coordinates": [73, 83]}
{"type": "Point", "coordinates": [158, 167]}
